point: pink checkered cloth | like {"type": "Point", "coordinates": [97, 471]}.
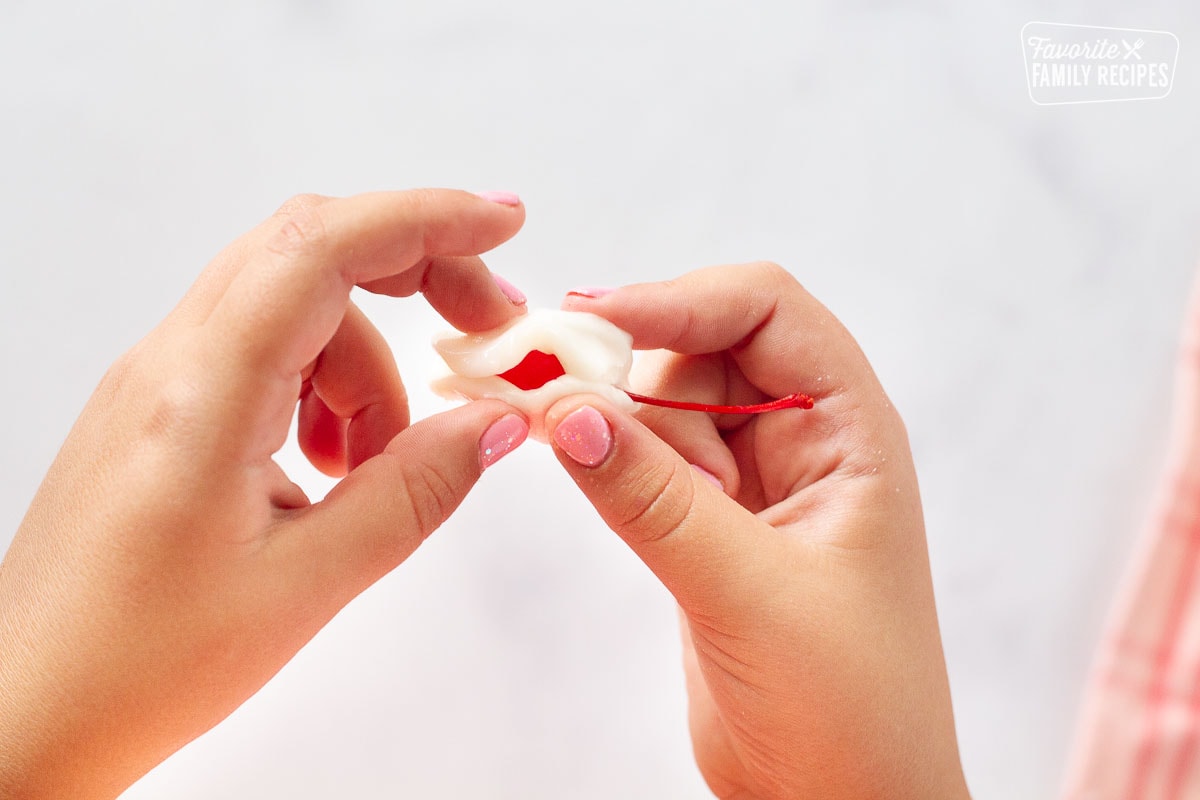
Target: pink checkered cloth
{"type": "Point", "coordinates": [1139, 734]}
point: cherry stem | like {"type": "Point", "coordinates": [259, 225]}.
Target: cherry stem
{"type": "Point", "coordinates": [796, 400]}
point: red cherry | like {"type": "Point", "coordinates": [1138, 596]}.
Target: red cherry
{"type": "Point", "coordinates": [535, 371]}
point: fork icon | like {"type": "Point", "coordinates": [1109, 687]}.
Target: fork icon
{"type": "Point", "coordinates": [1132, 49]}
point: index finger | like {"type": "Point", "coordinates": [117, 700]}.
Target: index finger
{"type": "Point", "coordinates": [288, 299]}
{"type": "Point", "coordinates": [780, 336]}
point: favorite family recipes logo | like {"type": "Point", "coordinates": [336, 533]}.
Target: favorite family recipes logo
{"type": "Point", "coordinates": [1087, 64]}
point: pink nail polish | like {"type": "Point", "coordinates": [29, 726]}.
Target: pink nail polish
{"type": "Point", "coordinates": [708, 476]}
{"type": "Point", "coordinates": [594, 292]}
{"type": "Point", "coordinates": [503, 198]}
{"type": "Point", "coordinates": [585, 436]}
{"type": "Point", "coordinates": [514, 295]}
{"type": "Point", "coordinates": [501, 438]}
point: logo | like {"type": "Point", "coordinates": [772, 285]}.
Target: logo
{"type": "Point", "coordinates": [1087, 64]}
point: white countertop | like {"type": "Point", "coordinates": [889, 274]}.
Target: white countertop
{"type": "Point", "coordinates": [1016, 273]}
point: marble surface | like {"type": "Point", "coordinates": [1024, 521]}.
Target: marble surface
{"type": "Point", "coordinates": [1016, 273]}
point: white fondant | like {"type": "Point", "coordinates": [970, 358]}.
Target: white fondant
{"type": "Point", "coordinates": [595, 354]}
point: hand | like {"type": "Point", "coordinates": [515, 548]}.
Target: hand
{"type": "Point", "coordinates": [167, 567]}
{"type": "Point", "coordinates": [811, 647]}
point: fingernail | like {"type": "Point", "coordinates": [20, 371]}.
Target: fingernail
{"type": "Point", "coordinates": [514, 295]}
{"type": "Point", "coordinates": [708, 476]}
{"type": "Point", "coordinates": [501, 438]}
{"type": "Point", "coordinates": [584, 435]}
{"type": "Point", "coordinates": [593, 292]}
{"type": "Point", "coordinates": [503, 198]}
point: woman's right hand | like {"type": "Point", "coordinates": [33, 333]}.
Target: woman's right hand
{"type": "Point", "coordinates": [168, 567]}
{"type": "Point", "coordinates": [812, 653]}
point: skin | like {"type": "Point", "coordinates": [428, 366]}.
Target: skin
{"type": "Point", "coordinates": [811, 646]}
{"type": "Point", "coordinates": [168, 568]}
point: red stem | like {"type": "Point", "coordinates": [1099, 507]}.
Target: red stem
{"type": "Point", "coordinates": [796, 400]}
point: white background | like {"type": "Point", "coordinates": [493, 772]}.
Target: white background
{"type": "Point", "coordinates": [1016, 273]}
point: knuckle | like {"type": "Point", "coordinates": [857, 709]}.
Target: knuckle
{"type": "Point", "coordinates": [431, 496]}
{"type": "Point", "coordinates": [302, 232]}
{"type": "Point", "coordinates": [770, 286]}
{"type": "Point", "coordinates": [134, 376]}
{"type": "Point", "coordinates": [422, 198]}
{"type": "Point", "coordinates": [176, 411]}
{"type": "Point", "coordinates": [773, 275]}
{"type": "Point", "coordinates": [300, 203]}
{"type": "Point", "coordinates": [147, 396]}
{"type": "Point", "coordinates": [683, 324]}
{"type": "Point", "coordinates": [120, 376]}
{"type": "Point", "coordinates": [422, 205]}
{"type": "Point", "coordinates": [660, 502]}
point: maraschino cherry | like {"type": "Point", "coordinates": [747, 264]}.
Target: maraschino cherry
{"type": "Point", "coordinates": [538, 368]}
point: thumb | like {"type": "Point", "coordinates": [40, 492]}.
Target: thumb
{"type": "Point", "coordinates": [713, 555]}
{"type": "Point", "coordinates": [386, 507]}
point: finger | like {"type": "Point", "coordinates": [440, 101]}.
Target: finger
{"type": "Point", "coordinates": [321, 433]}
{"type": "Point", "coordinates": [203, 295]}
{"type": "Point", "coordinates": [382, 511]}
{"type": "Point", "coordinates": [285, 304]}
{"type": "Point", "coordinates": [696, 437]}
{"type": "Point", "coordinates": [354, 380]}
{"type": "Point", "coordinates": [783, 341]}
{"type": "Point", "coordinates": [742, 451]}
{"type": "Point", "coordinates": [710, 553]}
{"type": "Point", "coordinates": [778, 334]}
{"type": "Point", "coordinates": [461, 289]}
